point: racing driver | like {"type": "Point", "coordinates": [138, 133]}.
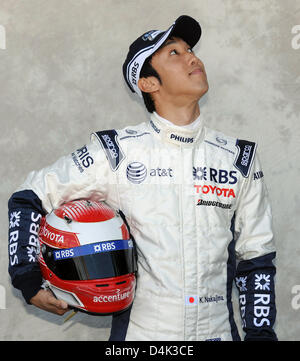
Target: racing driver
{"type": "Point", "coordinates": [195, 201]}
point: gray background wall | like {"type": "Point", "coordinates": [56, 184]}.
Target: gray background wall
{"type": "Point", "coordinates": [60, 79]}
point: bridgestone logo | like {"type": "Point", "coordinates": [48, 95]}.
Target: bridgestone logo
{"type": "Point", "coordinates": [201, 202]}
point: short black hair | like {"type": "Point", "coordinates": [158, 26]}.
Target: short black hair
{"type": "Point", "coordinates": [148, 70]}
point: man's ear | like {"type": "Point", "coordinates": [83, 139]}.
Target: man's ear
{"type": "Point", "coordinates": [149, 84]}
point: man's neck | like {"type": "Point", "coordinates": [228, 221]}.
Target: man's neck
{"type": "Point", "coordinates": [183, 115]}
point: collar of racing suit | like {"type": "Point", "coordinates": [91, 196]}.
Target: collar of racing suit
{"type": "Point", "coordinates": [186, 135]}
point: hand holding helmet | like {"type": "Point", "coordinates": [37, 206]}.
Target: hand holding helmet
{"type": "Point", "coordinates": [45, 300]}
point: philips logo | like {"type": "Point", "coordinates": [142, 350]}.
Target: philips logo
{"type": "Point", "coordinates": [181, 139]}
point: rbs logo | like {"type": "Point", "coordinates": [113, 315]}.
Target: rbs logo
{"type": "Point", "coordinates": [214, 175]}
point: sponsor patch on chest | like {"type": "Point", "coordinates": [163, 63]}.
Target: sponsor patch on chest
{"type": "Point", "coordinates": [245, 156]}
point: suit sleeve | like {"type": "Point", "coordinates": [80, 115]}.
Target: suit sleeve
{"type": "Point", "coordinates": [255, 252]}
{"type": "Point", "coordinates": [82, 174]}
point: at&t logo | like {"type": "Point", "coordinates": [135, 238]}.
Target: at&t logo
{"type": "Point", "coordinates": [136, 172]}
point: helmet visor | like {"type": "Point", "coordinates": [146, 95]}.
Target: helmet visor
{"type": "Point", "coordinates": [92, 261]}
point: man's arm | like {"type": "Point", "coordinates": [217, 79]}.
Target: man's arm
{"type": "Point", "coordinates": [255, 251]}
{"type": "Point", "coordinates": [25, 213]}
{"type": "Point", "coordinates": [71, 177]}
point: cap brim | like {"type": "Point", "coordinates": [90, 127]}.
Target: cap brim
{"type": "Point", "coordinates": [188, 29]}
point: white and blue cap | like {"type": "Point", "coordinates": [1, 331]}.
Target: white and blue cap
{"type": "Point", "coordinates": [185, 27]}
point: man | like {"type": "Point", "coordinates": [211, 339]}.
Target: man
{"type": "Point", "coordinates": [194, 199]}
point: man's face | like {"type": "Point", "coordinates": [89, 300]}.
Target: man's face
{"type": "Point", "coordinates": [181, 72]}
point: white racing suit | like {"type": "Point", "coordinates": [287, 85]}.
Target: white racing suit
{"type": "Point", "coordinates": [197, 207]}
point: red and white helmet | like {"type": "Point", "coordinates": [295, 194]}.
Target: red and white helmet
{"type": "Point", "coordinates": [87, 257]}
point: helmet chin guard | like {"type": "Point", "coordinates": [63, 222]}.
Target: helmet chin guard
{"type": "Point", "coordinates": [88, 258]}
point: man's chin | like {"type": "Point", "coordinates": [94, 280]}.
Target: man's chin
{"type": "Point", "coordinates": [202, 91]}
